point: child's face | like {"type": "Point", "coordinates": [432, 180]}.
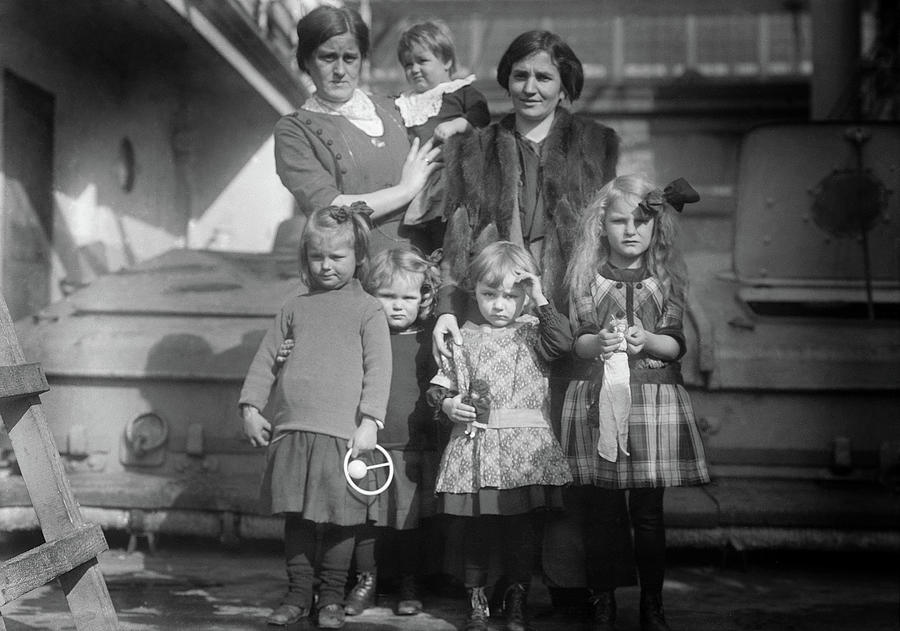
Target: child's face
{"type": "Point", "coordinates": [401, 299]}
{"type": "Point", "coordinates": [423, 69]}
{"type": "Point", "coordinates": [332, 262]}
{"type": "Point", "coordinates": [500, 306]}
{"type": "Point", "coordinates": [629, 233]}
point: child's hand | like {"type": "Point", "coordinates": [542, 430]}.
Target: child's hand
{"type": "Point", "coordinates": [608, 342]}
{"type": "Point", "coordinates": [256, 428]}
{"type": "Point", "coordinates": [364, 438]}
{"type": "Point", "coordinates": [284, 351]}
{"type": "Point", "coordinates": [531, 283]}
{"type": "Point", "coordinates": [447, 129]}
{"type": "Point", "coordinates": [457, 411]}
{"type": "Point", "coordinates": [636, 337]}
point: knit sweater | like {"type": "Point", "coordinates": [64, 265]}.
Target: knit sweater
{"type": "Point", "coordinates": [339, 369]}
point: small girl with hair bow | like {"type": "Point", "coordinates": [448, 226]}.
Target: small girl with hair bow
{"type": "Point", "coordinates": [636, 432]}
{"type": "Point", "coordinates": [328, 396]}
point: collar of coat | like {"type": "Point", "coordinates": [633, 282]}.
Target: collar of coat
{"type": "Point", "coordinates": [578, 157]}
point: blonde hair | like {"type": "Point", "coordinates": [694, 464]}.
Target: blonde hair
{"type": "Point", "coordinates": [433, 35]}
{"type": "Point", "coordinates": [404, 262]}
{"type": "Point", "coordinates": [496, 262]}
{"type": "Point", "coordinates": [591, 249]}
{"type": "Point", "coordinates": [347, 224]}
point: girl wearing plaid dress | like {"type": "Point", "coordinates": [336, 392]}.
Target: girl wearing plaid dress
{"type": "Point", "coordinates": [627, 422]}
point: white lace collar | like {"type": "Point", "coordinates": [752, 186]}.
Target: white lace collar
{"type": "Point", "coordinates": [359, 110]}
{"type": "Point", "coordinates": [417, 108]}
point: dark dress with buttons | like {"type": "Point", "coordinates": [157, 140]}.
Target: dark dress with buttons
{"type": "Point", "coordinates": [320, 156]}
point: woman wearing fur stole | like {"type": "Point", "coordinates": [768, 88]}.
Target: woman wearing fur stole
{"type": "Point", "coordinates": [526, 179]}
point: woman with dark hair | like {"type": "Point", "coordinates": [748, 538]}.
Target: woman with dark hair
{"type": "Point", "coordinates": [342, 145]}
{"type": "Point", "coordinates": [526, 179]}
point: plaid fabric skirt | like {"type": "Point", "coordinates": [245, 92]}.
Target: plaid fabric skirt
{"type": "Point", "coordinates": [663, 440]}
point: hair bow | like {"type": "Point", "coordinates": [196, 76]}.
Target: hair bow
{"type": "Point", "coordinates": [344, 213]}
{"type": "Point", "coordinates": [676, 194]}
{"type": "Point", "coordinates": [435, 257]}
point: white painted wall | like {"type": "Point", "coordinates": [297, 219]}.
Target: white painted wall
{"type": "Point", "coordinates": [205, 174]}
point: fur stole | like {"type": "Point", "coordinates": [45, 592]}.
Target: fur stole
{"type": "Point", "coordinates": [483, 174]}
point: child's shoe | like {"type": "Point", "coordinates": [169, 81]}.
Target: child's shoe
{"type": "Point", "coordinates": [331, 616]}
{"type": "Point", "coordinates": [362, 596]}
{"type": "Point", "coordinates": [287, 614]}
{"type": "Point", "coordinates": [604, 617]}
{"type": "Point", "coordinates": [652, 617]}
{"type": "Point", "coordinates": [409, 604]}
{"type": "Point", "coordinates": [479, 612]}
{"type": "Point", "coordinates": [515, 608]}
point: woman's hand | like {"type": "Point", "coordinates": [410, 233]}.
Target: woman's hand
{"type": "Point", "coordinates": [421, 161]}
{"type": "Point", "coordinates": [256, 428]}
{"type": "Point", "coordinates": [445, 325]}
{"type": "Point", "coordinates": [364, 438]}
{"type": "Point", "coordinates": [531, 283]}
{"type": "Point", "coordinates": [284, 351]}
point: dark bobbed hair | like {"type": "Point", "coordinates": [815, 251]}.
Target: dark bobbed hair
{"type": "Point", "coordinates": [564, 58]}
{"type": "Point", "coordinates": [324, 22]}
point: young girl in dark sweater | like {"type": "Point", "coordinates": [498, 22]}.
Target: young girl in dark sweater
{"type": "Point", "coordinates": [330, 395]}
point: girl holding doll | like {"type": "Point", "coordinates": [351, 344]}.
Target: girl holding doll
{"type": "Point", "coordinates": [627, 421]}
{"type": "Point", "coordinates": [502, 461]}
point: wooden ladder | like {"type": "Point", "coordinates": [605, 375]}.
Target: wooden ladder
{"type": "Point", "coordinates": [71, 548]}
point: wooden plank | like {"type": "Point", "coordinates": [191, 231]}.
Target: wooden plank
{"type": "Point", "coordinates": [22, 380]}
{"type": "Point", "coordinates": [48, 486]}
{"type": "Point", "coordinates": [47, 562]}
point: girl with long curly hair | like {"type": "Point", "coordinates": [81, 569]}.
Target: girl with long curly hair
{"type": "Point", "coordinates": [627, 421]}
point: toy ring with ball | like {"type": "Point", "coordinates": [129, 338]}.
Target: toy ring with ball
{"type": "Point", "coordinates": [357, 469]}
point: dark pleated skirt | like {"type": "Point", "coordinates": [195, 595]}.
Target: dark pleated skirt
{"type": "Point", "coordinates": [410, 497]}
{"type": "Point", "coordinates": [491, 501]}
{"type": "Point", "coordinates": [305, 474]}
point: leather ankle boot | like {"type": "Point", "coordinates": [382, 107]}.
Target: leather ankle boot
{"type": "Point", "coordinates": [410, 603]}
{"type": "Point", "coordinates": [362, 596]}
{"type": "Point", "coordinates": [478, 610]}
{"type": "Point", "coordinates": [514, 606]}
{"type": "Point", "coordinates": [652, 617]}
{"type": "Point", "coordinates": [604, 614]}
